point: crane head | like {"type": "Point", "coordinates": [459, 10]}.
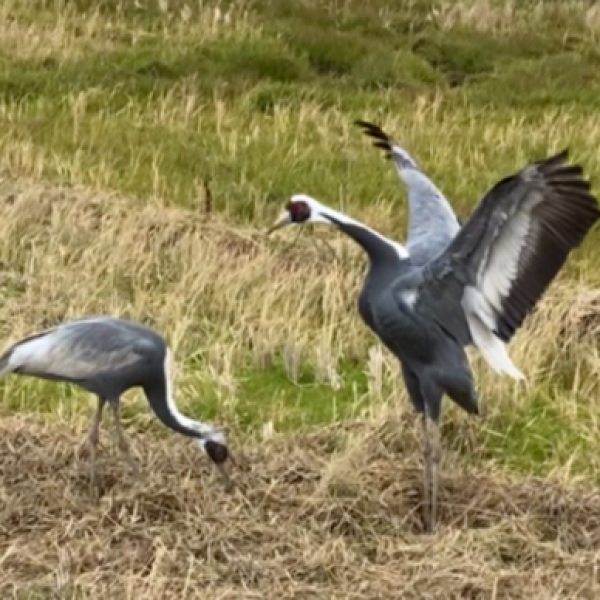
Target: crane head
{"type": "Point", "coordinates": [301, 209]}
{"type": "Point", "coordinates": [216, 448]}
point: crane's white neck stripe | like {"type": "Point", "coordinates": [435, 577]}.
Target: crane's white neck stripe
{"type": "Point", "coordinates": [207, 432]}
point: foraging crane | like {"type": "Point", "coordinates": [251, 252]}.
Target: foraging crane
{"type": "Point", "coordinates": [108, 356]}
{"type": "Point", "coordinates": [432, 224]}
{"type": "Point", "coordinates": [479, 290]}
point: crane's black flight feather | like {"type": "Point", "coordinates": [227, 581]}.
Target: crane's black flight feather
{"type": "Point", "coordinates": [559, 211]}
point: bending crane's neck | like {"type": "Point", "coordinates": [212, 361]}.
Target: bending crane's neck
{"type": "Point", "coordinates": [161, 401]}
{"type": "Point", "coordinates": [379, 249]}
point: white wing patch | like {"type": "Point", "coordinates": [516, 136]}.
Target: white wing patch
{"type": "Point", "coordinates": [483, 304]}
{"type": "Point", "coordinates": [496, 275]}
{"type": "Point", "coordinates": [399, 248]}
{"type": "Point", "coordinates": [481, 326]}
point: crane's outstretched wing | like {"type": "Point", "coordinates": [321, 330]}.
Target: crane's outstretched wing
{"type": "Point", "coordinates": [512, 247]}
{"type": "Point", "coordinates": [76, 350]}
{"type": "Point", "coordinates": [432, 222]}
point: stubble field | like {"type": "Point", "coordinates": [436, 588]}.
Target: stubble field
{"type": "Point", "coordinates": [115, 118]}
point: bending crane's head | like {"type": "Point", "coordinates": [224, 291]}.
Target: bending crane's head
{"type": "Point", "coordinates": [215, 445]}
{"type": "Point", "coordinates": [301, 209]}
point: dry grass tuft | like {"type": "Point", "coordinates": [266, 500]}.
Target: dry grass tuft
{"type": "Point", "coordinates": [183, 272]}
{"type": "Point", "coordinates": [284, 533]}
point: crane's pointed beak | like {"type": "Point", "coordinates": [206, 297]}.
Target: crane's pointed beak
{"type": "Point", "coordinates": [226, 477]}
{"type": "Point", "coordinates": [284, 219]}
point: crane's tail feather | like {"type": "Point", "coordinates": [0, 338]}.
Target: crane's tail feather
{"type": "Point", "coordinates": [493, 350]}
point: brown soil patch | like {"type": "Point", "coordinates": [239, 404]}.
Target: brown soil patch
{"type": "Point", "coordinates": [298, 526]}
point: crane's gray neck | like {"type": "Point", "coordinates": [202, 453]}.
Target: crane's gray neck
{"type": "Point", "coordinates": [380, 249]}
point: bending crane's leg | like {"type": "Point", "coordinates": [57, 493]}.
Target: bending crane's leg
{"type": "Point", "coordinates": [426, 472]}
{"type": "Point", "coordinates": [92, 439]}
{"type": "Point", "coordinates": [121, 441]}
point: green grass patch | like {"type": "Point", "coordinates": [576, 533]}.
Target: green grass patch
{"type": "Point", "coordinates": [532, 438]}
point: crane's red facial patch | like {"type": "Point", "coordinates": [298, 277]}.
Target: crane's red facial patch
{"type": "Point", "coordinates": [299, 211]}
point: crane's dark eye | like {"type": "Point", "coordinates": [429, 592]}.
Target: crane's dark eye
{"type": "Point", "coordinates": [299, 211]}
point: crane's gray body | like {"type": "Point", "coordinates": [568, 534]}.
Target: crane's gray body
{"type": "Point", "coordinates": [105, 356]}
{"type": "Point", "coordinates": [408, 331]}
{"type": "Point", "coordinates": [421, 327]}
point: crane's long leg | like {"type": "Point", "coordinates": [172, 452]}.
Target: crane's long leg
{"type": "Point", "coordinates": [435, 456]}
{"type": "Point", "coordinates": [427, 471]}
{"type": "Point", "coordinates": [121, 441]}
{"type": "Point", "coordinates": [431, 456]}
{"type": "Point", "coordinates": [93, 438]}
{"type": "Point", "coordinates": [416, 391]}
{"type": "Point", "coordinates": [432, 394]}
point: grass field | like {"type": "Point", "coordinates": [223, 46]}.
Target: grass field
{"type": "Point", "coordinates": [114, 118]}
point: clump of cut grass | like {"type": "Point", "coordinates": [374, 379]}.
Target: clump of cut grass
{"type": "Point", "coordinates": [334, 513]}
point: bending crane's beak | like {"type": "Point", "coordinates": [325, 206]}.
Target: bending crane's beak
{"type": "Point", "coordinates": [227, 482]}
{"type": "Point", "coordinates": [283, 220]}
{"type": "Point", "coordinates": [219, 454]}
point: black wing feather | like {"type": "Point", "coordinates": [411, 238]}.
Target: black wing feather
{"type": "Point", "coordinates": [559, 222]}
{"type": "Point", "coordinates": [384, 141]}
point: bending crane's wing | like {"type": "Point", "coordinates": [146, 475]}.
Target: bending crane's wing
{"type": "Point", "coordinates": [512, 247]}
{"type": "Point", "coordinates": [75, 350]}
{"type": "Point", "coordinates": [432, 222]}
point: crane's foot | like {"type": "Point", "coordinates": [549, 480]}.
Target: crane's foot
{"type": "Point", "coordinates": [91, 442]}
{"type": "Point", "coordinates": [136, 471]}
{"type": "Point", "coordinates": [88, 449]}
{"type": "Point", "coordinates": [126, 452]}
